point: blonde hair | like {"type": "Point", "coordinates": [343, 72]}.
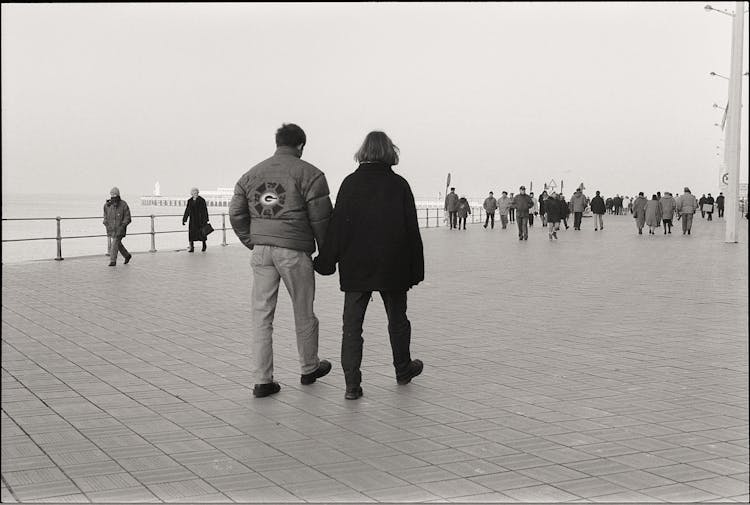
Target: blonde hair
{"type": "Point", "coordinates": [377, 147]}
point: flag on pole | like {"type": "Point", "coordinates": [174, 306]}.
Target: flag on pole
{"type": "Point", "coordinates": [448, 180]}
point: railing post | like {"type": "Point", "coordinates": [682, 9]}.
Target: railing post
{"type": "Point", "coordinates": [59, 241]}
{"type": "Point", "coordinates": [223, 229]}
{"type": "Point", "coordinates": [153, 236]}
{"type": "Point", "coordinates": [427, 218]}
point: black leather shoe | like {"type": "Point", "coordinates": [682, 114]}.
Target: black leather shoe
{"type": "Point", "coordinates": [112, 264]}
{"type": "Point", "coordinates": [323, 368]}
{"type": "Point", "coordinates": [414, 369]}
{"type": "Point", "coordinates": [261, 390]}
{"type": "Point", "coordinates": [353, 393]}
{"type": "Point", "coordinates": [127, 260]}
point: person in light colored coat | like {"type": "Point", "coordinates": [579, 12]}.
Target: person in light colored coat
{"type": "Point", "coordinates": [451, 207]}
{"type": "Point", "coordinates": [490, 206]}
{"type": "Point", "coordinates": [577, 206]}
{"type": "Point", "coordinates": [503, 206]}
{"type": "Point", "coordinates": [687, 204]}
{"type": "Point", "coordinates": [639, 212]}
{"type": "Point", "coordinates": [280, 210]}
{"type": "Point", "coordinates": [653, 214]}
{"type": "Point", "coordinates": [668, 207]}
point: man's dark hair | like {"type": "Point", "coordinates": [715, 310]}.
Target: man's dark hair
{"type": "Point", "coordinates": [290, 135]}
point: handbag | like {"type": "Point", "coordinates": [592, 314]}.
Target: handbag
{"type": "Point", "coordinates": [207, 229]}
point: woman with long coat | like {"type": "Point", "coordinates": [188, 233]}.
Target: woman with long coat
{"type": "Point", "coordinates": [653, 214]}
{"type": "Point", "coordinates": [639, 212]}
{"type": "Point", "coordinates": [374, 237]}
{"type": "Point", "coordinates": [197, 211]}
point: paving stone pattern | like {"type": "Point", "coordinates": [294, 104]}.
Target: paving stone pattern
{"type": "Point", "coordinates": [602, 367]}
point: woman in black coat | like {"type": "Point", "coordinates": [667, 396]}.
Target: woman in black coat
{"type": "Point", "coordinates": [374, 237]}
{"type": "Point", "coordinates": [197, 211]}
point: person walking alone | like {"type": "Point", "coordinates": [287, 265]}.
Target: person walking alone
{"type": "Point", "coordinates": [720, 204]}
{"type": "Point", "coordinates": [197, 211]}
{"type": "Point", "coordinates": [116, 220]}
{"type": "Point", "coordinates": [464, 209]}
{"type": "Point", "coordinates": [490, 206]}
{"type": "Point", "coordinates": [598, 208]}
{"type": "Point", "coordinates": [451, 207]}
{"type": "Point", "coordinates": [280, 209]}
{"type": "Point", "coordinates": [578, 205]}
{"type": "Point", "coordinates": [686, 207]}
{"type": "Point", "coordinates": [522, 202]}
{"type": "Point", "coordinates": [639, 212]}
{"type": "Point", "coordinates": [374, 237]}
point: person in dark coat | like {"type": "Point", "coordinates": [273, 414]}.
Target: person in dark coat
{"type": "Point", "coordinates": [197, 211]}
{"type": "Point", "coordinates": [598, 208]}
{"type": "Point", "coordinates": [564, 210]}
{"type": "Point", "coordinates": [553, 208]}
{"type": "Point", "coordinates": [464, 209]}
{"type": "Point", "coordinates": [116, 220]}
{"type": "Point", "coordinates": [710, 211]}
{"type": "Point", "coordinates": [542, 209]}
{"type": "Point", "coordinates": [720, 204]}
{"type": "Point", "coordinates": [701, 201]}
{"type": "Point", "coordinates": [374, 237]}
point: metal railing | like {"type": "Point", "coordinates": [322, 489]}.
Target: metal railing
{"type": "Point", "coordinates": [427, 217]}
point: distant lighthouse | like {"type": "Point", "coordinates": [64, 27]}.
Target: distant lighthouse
{"type": "Point", "coordinates": [157, 189]}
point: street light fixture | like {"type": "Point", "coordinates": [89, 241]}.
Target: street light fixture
{"type": "Point", "coordinates": [709, 8]}
{"type": "Point", "coordinates": [718, 75]}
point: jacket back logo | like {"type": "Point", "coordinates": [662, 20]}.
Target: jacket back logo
{"type": "Point", "coordinates": [269, 198]}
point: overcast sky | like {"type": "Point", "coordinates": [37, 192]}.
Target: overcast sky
{"type": "Point", "coordinates": [615, 95]}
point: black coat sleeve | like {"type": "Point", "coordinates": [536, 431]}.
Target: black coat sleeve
{"type": "Point", "coordinates": [330, 251]}
{"type": "Point", "coordinates": [416, 251]}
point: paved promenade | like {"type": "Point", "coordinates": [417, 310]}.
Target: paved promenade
{"type": "Point", "coordinates": [603, 367]}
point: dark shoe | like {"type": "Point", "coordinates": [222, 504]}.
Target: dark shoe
{"type": "Point", "coordinates": [191, 250]}
{"type": "Point", "coordinates": [640, 232]}
{"type": "Point", "coordinates": [414, 369]}
{"type": "Point", "coordinates": [323, 368]}
{"type": "Point", "coordinates": [261, 390]}
{"type": "Point", "coordinates": [485, 226]}
{"type": "Point", "coordinates": [127, 260]}
{"type": "Point", "coordinates": [353, 393]}
{"type": "Point", "coordinates": [596, 229]}
{"type": "Point", "coordinates": [112, 263]}
{"type": "Point", "coordinates": [203, 249]}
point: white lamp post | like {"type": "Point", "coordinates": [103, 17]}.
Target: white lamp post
{"type": "Point", "coordinates": [733, 123]}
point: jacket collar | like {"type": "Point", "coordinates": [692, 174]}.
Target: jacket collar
{"type": "Point", "coordinates": [373, 166]}
{"type": "Point", "coordinates": [288, 150]}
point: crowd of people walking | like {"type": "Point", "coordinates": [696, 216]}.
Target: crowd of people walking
{"type": "Point", "coordinates": [553, 210]}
